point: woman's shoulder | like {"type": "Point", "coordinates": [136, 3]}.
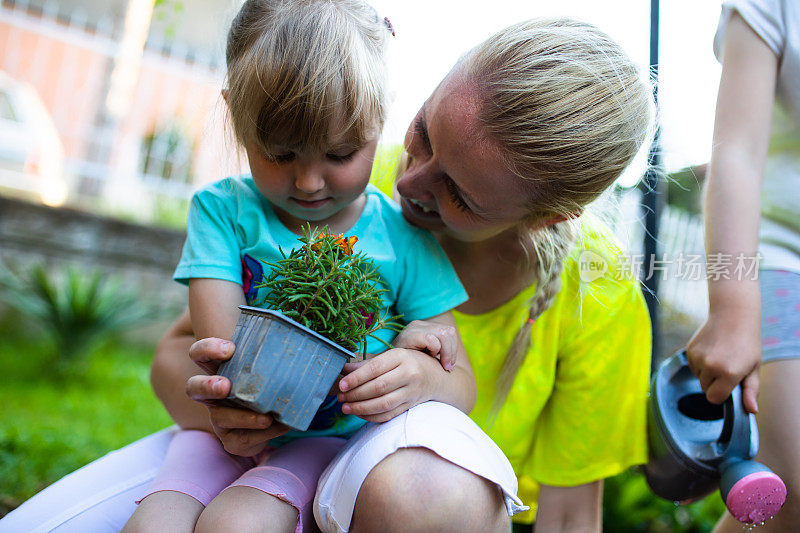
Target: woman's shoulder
{"type": "Point", "coordinates": [598, 273]}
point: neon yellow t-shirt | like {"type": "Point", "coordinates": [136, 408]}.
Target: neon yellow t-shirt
{"type": "Point", "coordinates": [577, 410]}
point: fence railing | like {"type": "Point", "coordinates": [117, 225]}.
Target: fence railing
{"type": "Point", "coordinates": [680, 259]}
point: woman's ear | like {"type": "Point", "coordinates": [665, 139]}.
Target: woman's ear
{"type": "Point", "coordinates": [555, 219]}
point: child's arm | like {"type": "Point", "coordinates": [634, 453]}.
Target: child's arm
{"type": "Point", "coordinates": [214, 307]}
{"type": "Point", "coordinates": [726, 350]}
{"type": "Point", "coordinates": [396, 380]}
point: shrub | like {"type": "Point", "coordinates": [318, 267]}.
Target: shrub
{"type": "Point", "coordinates": [75, 309]}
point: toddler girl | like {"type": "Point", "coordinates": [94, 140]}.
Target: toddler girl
{"type": "Point", "coordinates": [306, 95]}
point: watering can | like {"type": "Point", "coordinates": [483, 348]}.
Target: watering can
{"type": "Point", "coordinates": [697, 447]}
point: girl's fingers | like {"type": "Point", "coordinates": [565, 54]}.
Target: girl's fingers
{"type": "Point", "coordinates": [382, 384]}
{"type": "Point", "coordinates": [371, 369]}
{"type": "Point", "coordinates": [449, 352]}
{"type": "Point", "coordinates": [206, 388]}
{"type": "Point", "coordinates": [385, 417]}
{"type": "Point", "coordinates": [352, 367]}
{"type": "Point", "coordinates": [375, 406]}
{"type": "Point", "coordinates": [209, 353]}
{"type": "Point", "coordinates": [245, 442]}
{"type": "Point", "coordinates": [719, 390]}
{"type": "Point", "coordinates": [750, 387]}
{"type": "Point", "coordinates": [231, 418]}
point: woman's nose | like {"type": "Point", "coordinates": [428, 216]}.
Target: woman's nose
{"type": "Point", "coordinates": [415, 181]}
{"type": "Point", "coordinates": [309, 180]}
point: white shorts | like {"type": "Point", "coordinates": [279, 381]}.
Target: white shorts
{"type": "Point", "coordinates": [438, 427]}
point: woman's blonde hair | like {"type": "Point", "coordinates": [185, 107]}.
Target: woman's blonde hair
{"type": "Point", "coordinates": [300, 70]}
{"type": "Point", "coordinates": [569, 110]}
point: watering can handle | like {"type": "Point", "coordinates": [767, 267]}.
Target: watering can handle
{"type": "Point", "coordinates": [735, 435]}
{"type": "Point", "coordinates": [735, 438]}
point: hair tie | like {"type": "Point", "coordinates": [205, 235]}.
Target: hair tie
{"type": "Point", "coordinates": [389, 25]}
{"type": "Point", "coordinates": [531, 320]}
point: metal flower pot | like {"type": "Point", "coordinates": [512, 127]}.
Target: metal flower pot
{"type": "Point", "coordinates": [281, 366]}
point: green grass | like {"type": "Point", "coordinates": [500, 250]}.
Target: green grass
{"type": "Point", "coordinates": [53, 424]}
{"type": "Point", "coordinates": [384, 169]}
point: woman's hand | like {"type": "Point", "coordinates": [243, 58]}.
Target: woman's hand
{"type": "Point", "coordinates": [434, 338]}
{"type": "Point", "coordinates": [391, 383]}
{"type": "Point", "coordinates": [241, 431]}
{"type": "Point", "coordinates": [726, 351]}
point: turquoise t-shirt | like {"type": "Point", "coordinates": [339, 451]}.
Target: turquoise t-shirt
{"type": "Point", "coordinates": [232, 231]}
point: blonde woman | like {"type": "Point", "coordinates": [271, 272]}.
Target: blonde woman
{"type": "Point", "coordinates": [524, 132]}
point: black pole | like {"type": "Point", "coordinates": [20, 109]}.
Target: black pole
{"type": "Point", "coordinates": [652, 199]}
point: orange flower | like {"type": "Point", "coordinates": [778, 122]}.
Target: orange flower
{"type": "Point", "coordinates": [344, 243]}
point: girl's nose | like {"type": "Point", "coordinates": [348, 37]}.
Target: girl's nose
{"type": "Point", "coordinates": [309, 180]}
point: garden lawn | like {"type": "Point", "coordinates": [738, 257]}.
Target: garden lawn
{"type": "Point", "coordinates": [51, 425]}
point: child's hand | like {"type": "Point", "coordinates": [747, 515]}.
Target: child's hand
{"type": "Point", "coordinates": [241, 431]}
{"type": "Point", "coordinates": [211, 352]}
{"type": "Point", "coordinates": [381, 388]}
{"type": "Point", "coordinates": [433, 338]}
{"type": "Point", "coordinates": [724, 352]}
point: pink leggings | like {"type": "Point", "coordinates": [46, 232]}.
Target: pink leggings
{"type": "Point", "coordinates": [197, 465]}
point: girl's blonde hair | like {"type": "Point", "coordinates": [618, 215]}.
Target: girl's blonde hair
{"type": "Point", "coordinates": [569, 110]}
{"type": "Point", "coordinates": [301, 70]}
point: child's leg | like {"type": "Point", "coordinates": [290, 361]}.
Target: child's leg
{"type": "Point", "coordinates": [275, 496]}
{"type": "Point", "coordinates": [165, 510]}
{"type": "Point", "coordinates": [779, 396]}
{"type": "Point", "coordinates": [195, 470]}
{"type": "Point", "coordinates": [779, 434]}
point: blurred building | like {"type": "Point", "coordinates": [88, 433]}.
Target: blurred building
{"type": "Point", "coordinates": [132, 90]}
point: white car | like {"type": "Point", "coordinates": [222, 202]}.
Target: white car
{"type": "Point", "coordinates": [31, 153]}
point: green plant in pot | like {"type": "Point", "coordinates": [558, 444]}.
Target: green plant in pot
{"type": "Point", "coordinates": [324, 300]}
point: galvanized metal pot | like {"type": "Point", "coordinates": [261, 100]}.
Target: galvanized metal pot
{"type": "Point", "coordinates": [281, 366]}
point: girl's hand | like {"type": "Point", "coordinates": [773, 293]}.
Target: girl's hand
{"type": "Point", "coordinates": [381, 388]}
{"type": "Point", "coordinates": [435, 339]}
{"type": "Point", "coordinates": [724, 352]}
{"type": "Point", "coordinates": [241, 431]}
{"type": "Point", "coordinates": [209, 353]}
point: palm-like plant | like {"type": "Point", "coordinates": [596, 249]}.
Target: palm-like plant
{"type": "Point", "coordinates": [74, 309]}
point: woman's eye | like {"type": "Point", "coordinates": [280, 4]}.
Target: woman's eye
{"type": "Point", "coordinates": [422, 132]}
{"type": "Point", "coordinates": [455, 196]}
{"type": "Point", "coordinates": [337, 158]}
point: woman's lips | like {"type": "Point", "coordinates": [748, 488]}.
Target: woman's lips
{"type": "Point", "coordinates": [418, 210]}
{"type": "Point", "coordinates": [311, 204]}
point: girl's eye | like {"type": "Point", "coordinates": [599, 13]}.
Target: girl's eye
{"type": "Point", "coordinates": [336, 158]}
{"type": "Point", "coordinates": [281, 158]}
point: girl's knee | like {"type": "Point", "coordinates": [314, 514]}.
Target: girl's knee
{"type": "Point", "coordinates": [419, 491]}
{"type": "Point", "coordinates": [244, 509]}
